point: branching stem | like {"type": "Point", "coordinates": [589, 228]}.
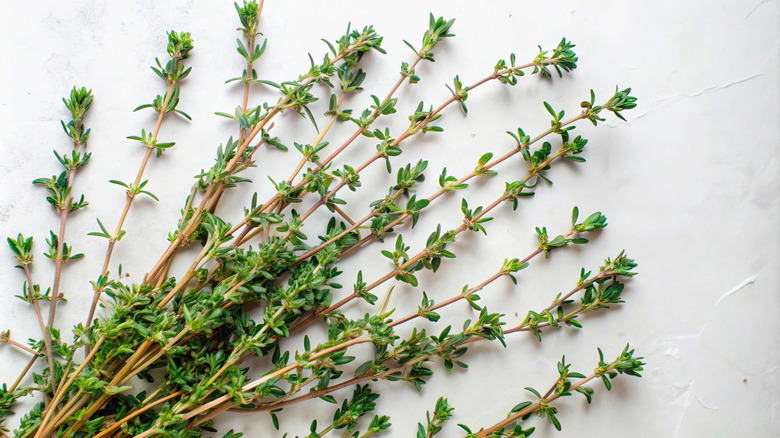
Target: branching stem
{"type": "Point", "coordinates": [129, 201]}
{"type": "Point", "coordinates": [530, 409]}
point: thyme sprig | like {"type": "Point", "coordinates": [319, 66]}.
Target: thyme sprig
{"type": "Point", "coordinates": [179, 47]}
{"type": "Point", "coordinates": [564, 386]}
{"type": "Point", "coordinates": [62, 200]}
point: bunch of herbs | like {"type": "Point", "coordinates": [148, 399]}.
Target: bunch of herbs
{"type": "Point", "coordinates": [241, 327]}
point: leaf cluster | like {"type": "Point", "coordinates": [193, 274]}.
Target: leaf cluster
{"type": "Point", "coordinates": [438, 29]}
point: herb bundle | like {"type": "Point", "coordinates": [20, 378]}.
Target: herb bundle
{"type": "Point", "coordinates": [241, 327]}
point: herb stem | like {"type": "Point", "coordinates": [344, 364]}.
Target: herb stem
{"type": "Point", "coordinates": [30, 363]}
{"type": "Point", "coordinates": [250, 68]}
{"type": "Point", "coordinates": [319, 138]}
{"type": "Point", "coordinates": [254, 384]}
{"type": "Point", "coordinates": [129, 201]}
{"type": "Point", "coordinates": [44, 330]}
{"type": "Point", "coordinates": [186, 278]}
{"type": "Point", "coordinates": [353, 226]}
{"type": "Point", "coordinates": [44, 429]}
{"type": "Point", "coordinates": [350, 382]}
{"type": "Point", "coordinates": [524, 326]}
{"type": "Point", "coordinates": [119, 377]}
{"type": "Point", "coordinates": [431, 198]}
{"type": "Point", "coordinates": [71, 407]}
{"type": "Point", "coordinates": [149, 361]}
{"type": "Point", "coordinates": [485, 433]}
{"type": "Point", "coordinates": [132, 415]}
{"type": "Point", "coordinates": [359, 379]}
{"type": "Point", "coordinates": [190, 227]}
{"type": "Point", "coordinates": [454, 299]}
{"type": "Point", "coordinates": [21, 347]}
{"type": "Point", "coordinates": [59, 262]}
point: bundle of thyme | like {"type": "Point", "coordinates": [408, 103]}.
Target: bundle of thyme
{"type": "Point", "coordinates": [275, 270]}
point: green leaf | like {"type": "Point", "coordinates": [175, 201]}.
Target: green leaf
{"type": "Point", "coordinates": [554, 420]}
{"type": "Point", "coordinates": [329, 399]}
{"type": "Point", "coordinates": [103, 232]}
{"type": "Point", "coordinates": [533, 391]}
{"type": "Point", "coordinates": [267, 82]}
{"type": "Point", "coordinates": [550, 110]}
{"type": "Point", "coordinates": [111, 390]}
{"type": "Point", "coordinates": [521, 406]}
{"type": "Point", "coordinates": [150, 194]}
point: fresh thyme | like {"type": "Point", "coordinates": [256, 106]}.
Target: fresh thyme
{"type": "Point", "coordinates": [189, 335]}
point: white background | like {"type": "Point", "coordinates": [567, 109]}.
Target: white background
{"type": "Point", "coordinates": [689, 184]}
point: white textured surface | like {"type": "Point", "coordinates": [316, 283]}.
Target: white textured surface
{"type": "Point", "coordinates": [690, 185]}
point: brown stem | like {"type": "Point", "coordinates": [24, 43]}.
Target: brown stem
{"type": "Point", "coordinates": [185, 279]}
{"type": "Point", "coordinates": [249, 70]}
{"type": "Point", "coordinates": [71, 407]}
{"type": "Point", "coordinates": [129, 201]}
{"type": "Point", "coordinates": [523, 327]}
{"type": "Point", "coordinates": [211, 415]}
{"type": "Point", "coordinates": [279, 372]}
{"type": "Point", "coordinates": [24, 372]}
{"type": "Point", "coordinates": [350, 382]}
{"type": "Point", "coordinates": [65, 373]}
{"type": "Point", "coordinates": [163, 274]}
{"type": "Point", "coordinates": [485, 433]}
{"type": "Point", "coordinates": [120, 377]}
{"type": "Point", "coordinates": [318, 140]}
{"type": "Point", "coordinates": [59, 261]}
{"type": "Point", "coordinates": [344, 215]}
{"type": "Point", "coordinates": [149, 361]}
{"type": "Point", "coordinates": [132, 415]}
{"type": "Point", "coordinates": [417, 257]}
{"type": "Point", "coordinates": [454, 299]}
{"type": "Point", "coordinates": [44, 429]}
{"type": "Point", "coordinates": [44, 331]}
{"type": "Point", "coordinates": [353, 227]}
{"type": "Point", "coordinates": [152, 274]}
{"type": "Point", "coordinates": [22, 347]}
{"type": "Point", "coordinates": [359, 379]}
